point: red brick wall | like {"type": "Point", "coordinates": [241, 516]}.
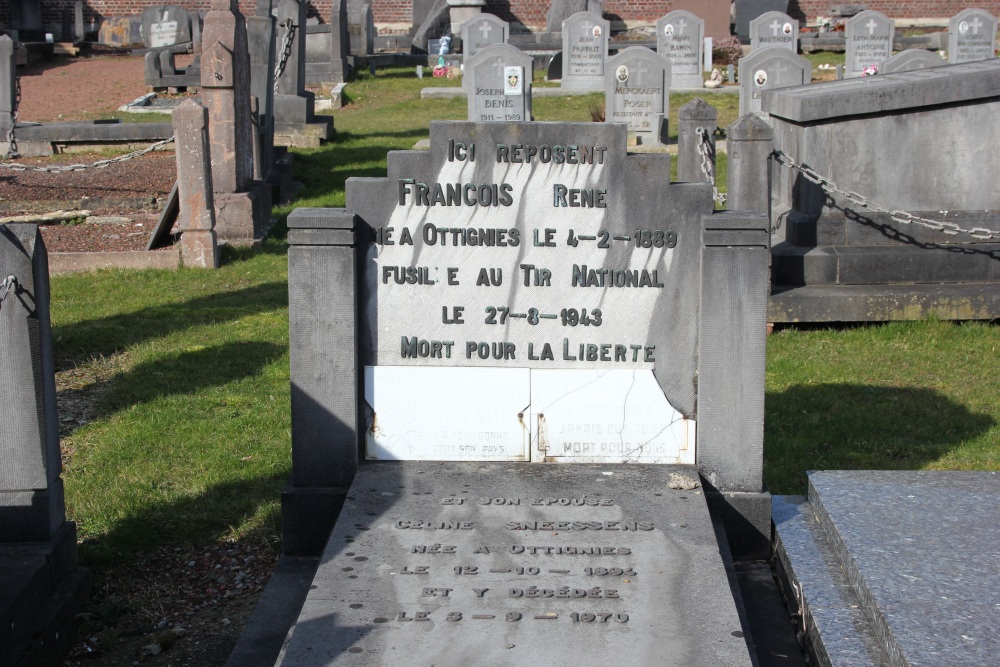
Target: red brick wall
{"type": "Point", "coordinates": [897, 9]}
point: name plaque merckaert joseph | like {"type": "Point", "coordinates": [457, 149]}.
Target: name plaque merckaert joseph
{"type": "Point", "coordinates": [513, 266]}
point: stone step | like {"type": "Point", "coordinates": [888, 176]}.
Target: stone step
{"type": "Point", "coordinates": [836, 631]}
{"type": "Point", "coordinates": [883, 303]}
{"type": "Point", "coordinates": [901, 263]}
{"type": "Point", "coordinates": [862, 227]}
{"type": "Point", "coordinates": [918, 551]}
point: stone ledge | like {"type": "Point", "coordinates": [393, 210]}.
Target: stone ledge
{"type": "Point", "coordinates": [77, 262]}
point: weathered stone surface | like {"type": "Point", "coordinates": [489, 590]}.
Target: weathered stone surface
{"type": "Point", "coordinates": [749, 142]}
{"type": "Point", "coordinates": [165, 25]}
{"type": "Point", "coordinates": [498, 84]}
{"type": "Point", "coordinates": [361, 28]}
{"type": "Point", "coordinates": [767, 69]}
{"type": "Point", "coordinates": [502, 588]}
{"type": "Point", "coordinates": [971, 36]}
{"type": "Point", "coordinates": [585, 49]}
{"type": "Point", "coordinates": [748, 10]}
{"type": "Point", "coordinates": [8, 79]}
{"type": "Point", "coordinates": [482, 31]}
{"type": "Point", "coordinates": [560, 10]}
{"type": "Point", "coordinates": [774, 29]}
{"type": "Point", "coordinates": [680, 39]}
{"type": "Point", "coordinates": [909, 60]}
{"type": "Point", "coordinates": [695, 114]}
{"type": "Point", "coordinates": [194, 177]}
{"type": "Point", "coordinates": [869, 38]}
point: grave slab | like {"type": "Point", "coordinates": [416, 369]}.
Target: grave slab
{"type": "Point", "coordinates": [513, 564]}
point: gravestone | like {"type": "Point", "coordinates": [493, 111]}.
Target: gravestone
{"type": "Point", "coordinates": [767, 69]}
{"type": "Point", "coordinates": [680, 39]}
{"type": "Point", "coordinates": [26, 19]}
{"type": "Point", "coordinates": [911, 59]}
{"type": "Point", "coordinates": [481, 31]}
{"type": "Point", "coordinates": [774, 29]}
{"type": "Point", "coordinates": [560, 10]}
{"type": "Point", "coordinates": [360, 28]}
{"type": "Point", "coordinates": [261, 40]}
{"type": "Point", "coordinates": [295, 120]}
{"type": "Point", "coordinates": [529, 294]}
{"type": "Point", "coordinates": [971, 36]}
{"type": "Point", "coordinates": [199, 246]}
{"type": "Point", "coordinates": [869, 38]}
{"type": "Point", "coordinates": [165, 25]}
{"type": "Point", "coordinates": [497, 81]}
{"type": "Point", "coordinates": [637, 93]}
{"type": "Point", "coordinates": [39, 582]}
{"type": "Point", "coordinates": [585, 48]}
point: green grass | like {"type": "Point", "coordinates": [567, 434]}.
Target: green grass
{"type": "Point", "coordinates": [177, 425]}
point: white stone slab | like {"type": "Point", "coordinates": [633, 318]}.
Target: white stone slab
{"type": "Point", "coordinates": [467, 414]}
{"type": "Point", "coordinates": [613, 416]}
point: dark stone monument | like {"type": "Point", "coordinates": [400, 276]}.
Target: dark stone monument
{"type": "Point", "coordinates": [972, 35]}
{"type": "Point", "coordinates": [165, 25]}
{"type": "Point", "coordinates": [522, 296]}
{"type": "Point", "coordinates": [26, 19]}
{"type": "Point", "coordinates": [680, 39]}
{"type": "Point", "coordinates": [560, 10]}
{"type": "Point", "coordinates": [166, 31]}
{"type": "Point", "coordinates": [39, 581]}
{"type": "Point", "coordinates": [497, 82]}
{"type": "Point", "coordinates": [869, 38]}
{"type": "Point", "coordinates": [748, 10]}
{"type": "Point", "coordinates": [637, 93]}
{"type": "Point", "coordinates": [585, 48]}
{"type": "Point", "coordinates": [837, 260]}
{"type": "Point", "coordinates": [295, 119]}
{"type": "Point", "coordinates": [360, 28]}
{"type": "Point", "coordinates": [769, 68]}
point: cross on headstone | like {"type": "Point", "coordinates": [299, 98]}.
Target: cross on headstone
{"type": "Point", "coordinates": [485, 28]}
{"type": "Point", "coordinates": [640, 73]}
{"type": "Point", "coordinates": [775, 27]}
{"type": "Point", "coordinates": [498, 67]}
{"type": "Point", "coordinates": [871, 25]}
{"type": "Point", "coordinates": [781, 67]}
{"type": "Point", "coordinates": [680, 26]}
{"type": "Point", "coordinates": [976, 25]}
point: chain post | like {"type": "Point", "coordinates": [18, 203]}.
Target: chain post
{"type": "Point", "coordinates": [902, 217]}
{"type": "Point", "coordinates": [9, 284]}
{"type": "Point", "coordinates": [12, 151]}
{"type": "Point", "coordinates": [286, 51]}
{"type": "Point", "coordinates": [707, 166]}
{"type": "Point", "coordinates": [100, 164]}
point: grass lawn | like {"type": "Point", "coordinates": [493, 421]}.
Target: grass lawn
{"type": "Point", "coordinates": [175, 385]}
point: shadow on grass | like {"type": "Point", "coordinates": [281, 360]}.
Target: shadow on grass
{"type": "Point", "coordinates": [82, 341]}
{"type": "Point", "coordinates": [182, 373]}
{"type": "Point", "coordinates": [196, 519]}
{"type": "Point", "coordinates": [857, 427]}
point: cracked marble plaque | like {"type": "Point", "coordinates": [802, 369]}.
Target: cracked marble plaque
{"type": "Point", "coordinates": [512, 564]}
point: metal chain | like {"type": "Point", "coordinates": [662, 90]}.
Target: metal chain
{"type": "Point", "coordinates": [9, 283]}
{"type": "Point", "coordinates": [902, 217]}
{"type": "Point", "coordinates": [12, 151]}
{"type": "Point", "coordinates": [100, 164]}
{"type": "Point", "coordinates": [707, 165]}
{"type": "Point", "coordinates": [286, 51]}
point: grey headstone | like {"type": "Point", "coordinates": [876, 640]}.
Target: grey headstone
{"type": "Point", "coordinates": [8, 80]}
{"type": "Point", "coordinates": [361, 29]}
{"type": "Point", "coordinates": [165, 25]}
{"type": "Point", "coordinates": [560, 10]}
{"type": "Point", "coordinates": [492, 93]}
{"type": "Point", "coordinates": [869, 41]}
{"type": "Point", "coordinates": [971, 36]}
{"type": "Point", "coordinates": [585, 48]}
{"type": "Point", "coordinates": [340, 45]}
{"type": "Point", "coordinates": [481, 31]}
{"type": "Point", "coordinates": [31, 495]}
{"type": "Point", "coordinates": [909, 60]}
{"type": "Point", "coordinates": [748, 10]}
{"type": "Point", "coordinates": [637, 92]}
{"type": "Point", "coordinates": [680, 39]}
{"type": "Point", "coordinates": [291, 15]}
{"type": "Point", "coordinates": [774, 29]}
{"type": "Point", "coordinates": [766, 69]}
{"type": "Point", "coordinates": [694, 115]}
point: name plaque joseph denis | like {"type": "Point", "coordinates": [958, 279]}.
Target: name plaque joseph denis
{"type": "Point", "coordinates": [529, 291]}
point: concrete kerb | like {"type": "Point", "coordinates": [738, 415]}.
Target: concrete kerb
{"type": "Point", "coordinates": [441, 93]}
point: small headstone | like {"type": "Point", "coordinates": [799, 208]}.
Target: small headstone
{"type": "Point", "coordinates": [585, 48]}
{"type": "Point", "coordinates": [869, 42]}
{"type": "Point", "coordinates": [361, 29]}
{"type": "Point", "coordinates": [481, 31]}
{"type": "Point", "coordinates": [911, 59]}
{"type": "Point", "coordinates": [766, 69]}
{"type": "Point", "coordinates": [748, 10]}
{"type": "Point", "coordinates": [498, 84]}
{"type": "Point", "coordinates": [971, 36]}
{"type": "Point", "coordinates": [637, 92]}
{"type": "Point", "coordinates": [165, 25]}
{"type": "Point", "coordinates": [680, 39]}
{"type": "Point", "coordinates": [774, 29]}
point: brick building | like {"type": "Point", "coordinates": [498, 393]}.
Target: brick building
{"type": "Point", "coordinates": [396, 15]}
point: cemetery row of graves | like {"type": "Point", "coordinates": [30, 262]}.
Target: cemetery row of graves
{"type": "Point", "coordinates": [179, 391]}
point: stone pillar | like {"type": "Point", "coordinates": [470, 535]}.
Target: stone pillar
{"type": "Point", "coordinates": [695, 114]}
{"type": "Point", "coordinates": [462, 11]}
{"type": "Point", "coordinates": [194, 186]}
{"type": "Point", "coordinates": [295, 122]}
{"type": "Point", "coordinates": [749, 143]}
{"type": "Point", "coordinates": [261, 38]}
{"type": "Point", "coordinates": [340, 41]}
{"type": "Point", "coordinates": [8, 77]}
{"type": "Point", "coordinates": [731, 375]}
{"type": "Point", "coordinates": [78, 26]}
{"type": "Point", "coordinates": [240, 214]}
{"type": "Point", "coordinates": [291, 15]}
{"type": "Point", "coordinates": [322, 283]}
{"type": "Point", "coordinates": [361, 28]}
